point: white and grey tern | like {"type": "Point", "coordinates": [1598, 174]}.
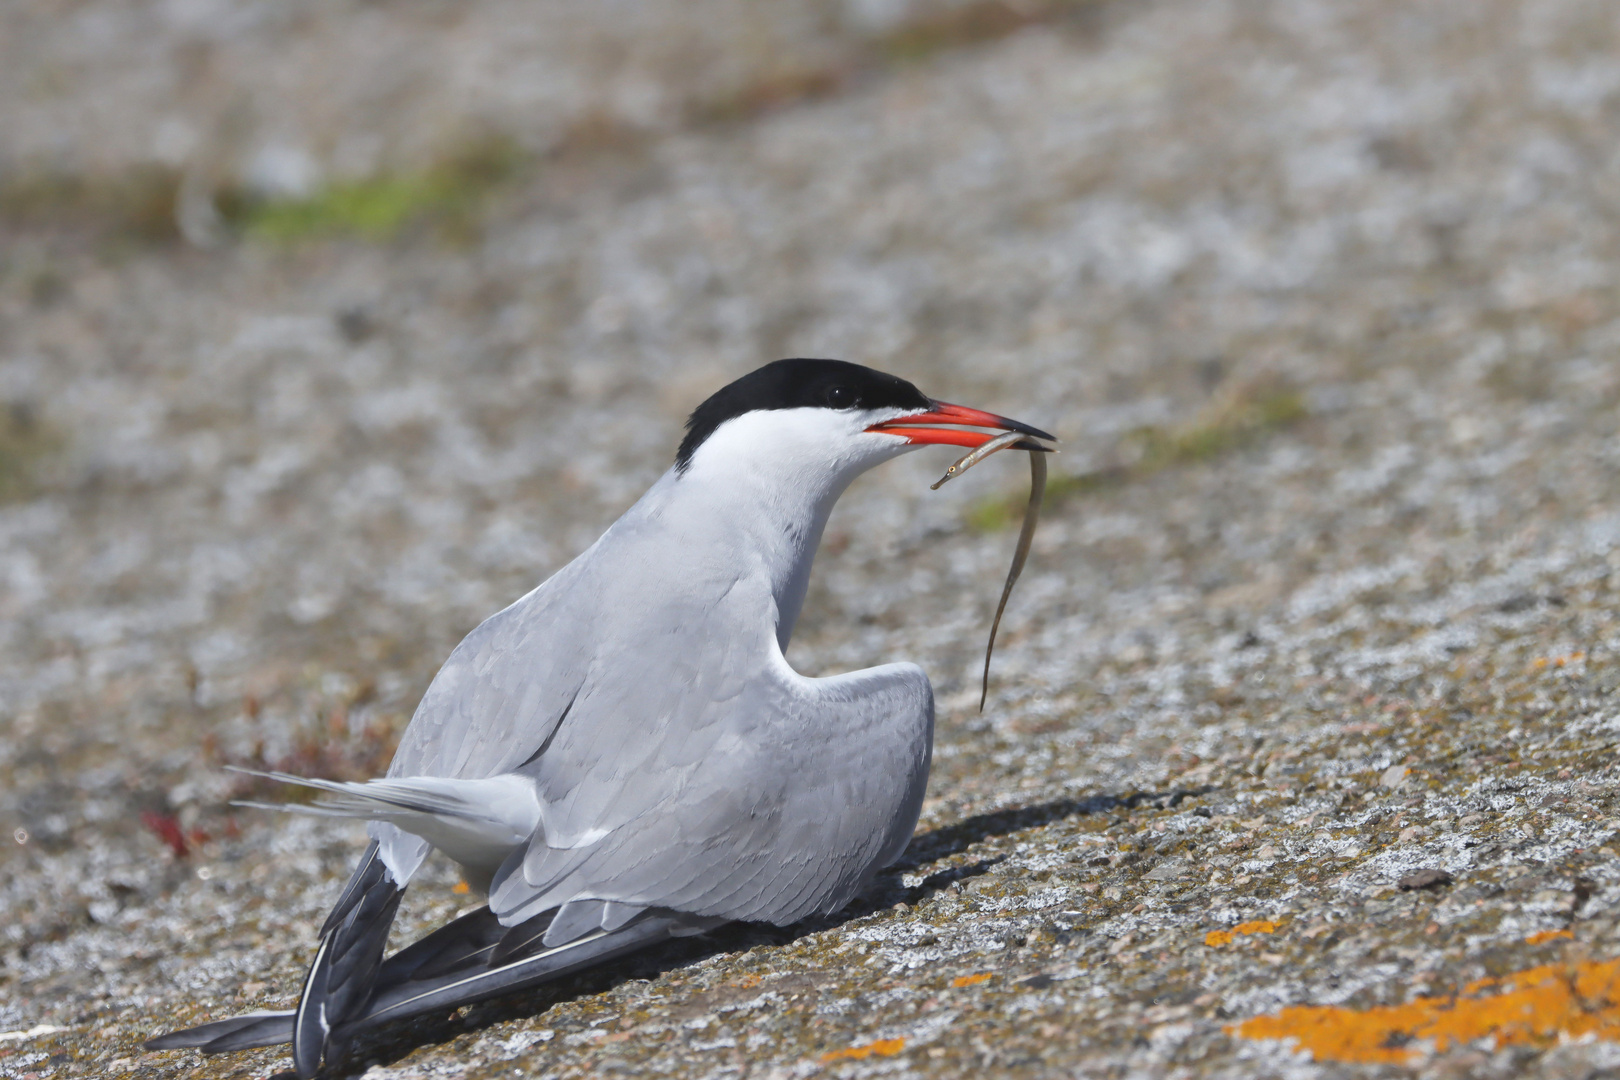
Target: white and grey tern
{"type": "Point", "coordinates": [624, 755]}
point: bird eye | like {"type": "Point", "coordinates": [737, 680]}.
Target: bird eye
{"type": "Point", "coordinates": [840, 397]}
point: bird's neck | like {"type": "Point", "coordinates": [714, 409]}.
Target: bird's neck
{"type": "Point", "coordinates": [747, 525]}
{"type": "Point", "coordinates": [750, 505]}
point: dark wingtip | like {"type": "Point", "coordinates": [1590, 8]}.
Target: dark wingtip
{"type": "Point", "coordinates": [233, 1033]}
{"type": "Point", "coordinates": [266, 1031]}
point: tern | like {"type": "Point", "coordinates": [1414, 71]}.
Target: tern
{"type": "Point", "coordinates": [624, 754]}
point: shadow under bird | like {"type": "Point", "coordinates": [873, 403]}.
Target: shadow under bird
{"type": "Point", "coordinates": [624, 755]}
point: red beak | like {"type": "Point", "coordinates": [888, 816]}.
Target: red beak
{"type": "Point", "coordinates": [959, 416]}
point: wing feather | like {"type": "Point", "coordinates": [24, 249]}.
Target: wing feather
{"type": "Point", "coordinates": [820, 788]}
{"type": "Point", "coordinates": [679, 760]}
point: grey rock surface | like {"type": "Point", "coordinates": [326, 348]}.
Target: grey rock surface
{"type": "Point", "coordinates": [1323, 298]}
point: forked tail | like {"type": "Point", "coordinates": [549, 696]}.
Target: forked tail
{"type": "Point", "coordinates": [350, 990]}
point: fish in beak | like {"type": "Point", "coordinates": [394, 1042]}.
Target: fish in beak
{"type": "Point", "coordinates": [949, 424]}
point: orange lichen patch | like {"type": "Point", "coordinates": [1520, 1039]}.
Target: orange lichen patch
{"type": "Point", "coordinates": [461, 888]}
{"type": "Point", "coordinates": [1216, 938]}
{"type": "Point", "coordinates": [1538, 1006]}
{"type": "Point", "coordinates": [971, 980]}
{"type": "Point", "coordinates": [882, 1048]}
{"type": "Point", "coordinates": [1541, 936]}
{"type": "Point", "coordinates": [1558, 661]}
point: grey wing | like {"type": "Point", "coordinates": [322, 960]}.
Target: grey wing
{"type": "Point", "coordinates": [508, 686]}
{"type": "Point", "coordinates": [771, 800]}
{"type": "Point", "coordinates": [498, 698]}
{"type": "Point", "coordinates": [505, 688]}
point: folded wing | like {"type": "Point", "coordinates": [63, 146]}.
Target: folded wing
{"type": "Point", "coordinates": [772, 803]}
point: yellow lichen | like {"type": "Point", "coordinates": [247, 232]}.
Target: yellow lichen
{"type": "Point", "coordinates": [1538, 1006]}
{"type": "Point", "coordinates": [1541, 936]}
{"type": "Point", "coordinates": [1216, 938]}
{"type": "Point", "coordinates": [882, 1048]}
{"type": "Point", "coordinates": [969, 980]}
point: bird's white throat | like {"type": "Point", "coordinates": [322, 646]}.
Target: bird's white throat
{"type": "Point", "coordinates": [766, 482]}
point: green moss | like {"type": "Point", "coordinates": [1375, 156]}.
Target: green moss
{"type": "Point", "coordinates": [448, 196]}
{"type": "Point", "coordinates": [1230, 426]}
{"type": "Point", "coordinates": [374, 208]}
{"type": "Point", "coordinates": [138, 205]}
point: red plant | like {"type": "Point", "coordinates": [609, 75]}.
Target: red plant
{"type": "Point", "coordinates": [167, 828]}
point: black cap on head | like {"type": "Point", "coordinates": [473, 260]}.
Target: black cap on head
{"type": "Point", "coordinates": [798, 384]}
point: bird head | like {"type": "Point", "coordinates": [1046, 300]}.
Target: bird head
{"type": "Point", "coordinates": [829, 417]}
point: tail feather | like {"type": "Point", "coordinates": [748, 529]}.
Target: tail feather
{"type": "Point", "coordinates": [363, 798]}
{"type": "Point", "coordinates": [271, 1029]}
{"type": "Point", "coordinates": [478, 823]}
{"type": "Point", "coordinates": [236, 1033]}
{"type": "Point", "coordinates": [414, 794]}
{"type": "Point", "coordinates": [453, 966]}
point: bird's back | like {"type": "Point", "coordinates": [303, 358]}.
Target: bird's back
{"type": "Point", "coordinates": [679, 760]}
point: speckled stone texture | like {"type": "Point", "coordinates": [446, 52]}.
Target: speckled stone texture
{"type": "Point", "coordinates": [1323, 298]}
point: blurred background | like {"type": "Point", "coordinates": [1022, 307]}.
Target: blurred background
{"type": "Point", "coordinates": [328, 328]}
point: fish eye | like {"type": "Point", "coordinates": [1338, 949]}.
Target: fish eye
{"type": "Point", "coordinates": [840, 397]}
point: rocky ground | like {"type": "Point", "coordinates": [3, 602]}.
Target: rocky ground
{"type": "Point", "coordinates": [327, 329]}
